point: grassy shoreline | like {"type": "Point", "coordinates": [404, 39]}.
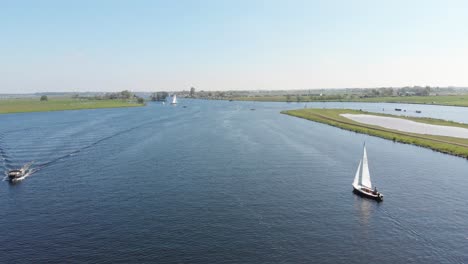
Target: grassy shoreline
{"type": "Point", "coordinates": [450, 145]}
{"type": "Point", "coordinates": [9, 106]}
{"type": "Point", "coordinates": [447, 100]}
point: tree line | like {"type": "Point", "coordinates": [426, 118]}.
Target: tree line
{"type": "Point", "coordinates": [123, 95]}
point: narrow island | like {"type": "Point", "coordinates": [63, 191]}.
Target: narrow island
{"type": "Point", "coordinates": [455, 144]}
{"type": "Point", "coordinates": [46, 103]}
{"type": "Point", "coordinates": [447, 100]}
{"type": "Point", "coordinates": [448, 96]}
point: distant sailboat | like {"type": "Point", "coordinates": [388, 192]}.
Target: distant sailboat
{"type": "Point", "coordinates": [362, 183]}
{"type": "Point", "coordinates": [174, 100]}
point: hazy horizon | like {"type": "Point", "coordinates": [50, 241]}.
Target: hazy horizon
{"type": "Point", "coordinates": [56, 46]}
{"type": "Point", "coordinates": [238, 90]}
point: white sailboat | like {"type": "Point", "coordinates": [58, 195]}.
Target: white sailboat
{"type": "Point", "coordinates": [362, 183]}
{"type": "Point", "coordinates": [174, 100]}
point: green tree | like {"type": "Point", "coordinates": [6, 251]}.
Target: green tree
{"type": "Point", "coordinates": [192, 92]}
{"type": "Point", "coordinates": [125, 94]}
{"type": "Point", "coordinates": [140, 100]}
{"type": "Point", "coordinates": [162, 96]}
{"type": "Point", "coordinates": [427, 91]}
{"type": "Point", "coordinates": [159, 96]}
{"type": "Point", "coordinates": [44, 98]}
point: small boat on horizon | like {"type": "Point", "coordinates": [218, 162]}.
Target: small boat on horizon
{"type": "Point", "coordinates": [362, 183]}
{"type": "Point", "coordinates": [174, 100]}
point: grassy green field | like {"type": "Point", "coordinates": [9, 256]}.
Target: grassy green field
{"type": "Point", "coordinates": [452, 100]}
{"type": "Point", "coordinates": [449, 145]}
{"type": "Point", "coordinates": [57, 104]}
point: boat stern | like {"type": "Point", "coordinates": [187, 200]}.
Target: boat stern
{"type": "Point", "coordinates": [380, 197]}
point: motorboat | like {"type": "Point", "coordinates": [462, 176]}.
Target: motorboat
{"type": "Point", "coordinates": [19, 174]}
{"type": "Point", "coordinates": [16, 174]}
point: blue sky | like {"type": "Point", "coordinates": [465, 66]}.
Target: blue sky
{"type": "Point", "coordinates": [222, 45]}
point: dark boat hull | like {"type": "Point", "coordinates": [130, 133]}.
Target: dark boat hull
{"type": "Point", "coordinates": [15, 174]}
{"type": "Point", "coordinates": [366, 195]}
{"type": "Point", "coordinates": [13, 179]}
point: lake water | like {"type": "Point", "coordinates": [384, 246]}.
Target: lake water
{"type": "Point", "coordinates": [219, 183]}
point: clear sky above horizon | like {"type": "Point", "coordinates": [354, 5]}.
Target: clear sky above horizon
{"type": "Point", "coordinates": [111, 45]}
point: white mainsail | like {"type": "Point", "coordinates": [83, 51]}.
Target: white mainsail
{"type": "Point", "coordinates": [365, 178]}
{"type": "Point", "coordinates": [356, 178]}
{"type": "Point", "coordinates": [174, 99]}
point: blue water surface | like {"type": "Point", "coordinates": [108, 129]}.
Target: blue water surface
{"type": "Point", "coordinates": [217, 182]}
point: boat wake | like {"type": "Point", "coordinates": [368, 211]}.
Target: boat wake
{"type": "Point", "coordinates": [48, 163]}
{"type": "Point", "coordinates": [3, 156]}
{"type": "Point", "coordinates": [6, 161]}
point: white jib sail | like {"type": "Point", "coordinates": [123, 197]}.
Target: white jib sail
{"type": "Point", "coordinates": [356, 178]}
{"type": "Point", "coordinates": [365, 179]}
{"type": "Point", "coordinates": [174, 99]}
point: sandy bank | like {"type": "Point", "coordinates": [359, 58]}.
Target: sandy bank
{"type": "Point", "coordinates": [409, 126]}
